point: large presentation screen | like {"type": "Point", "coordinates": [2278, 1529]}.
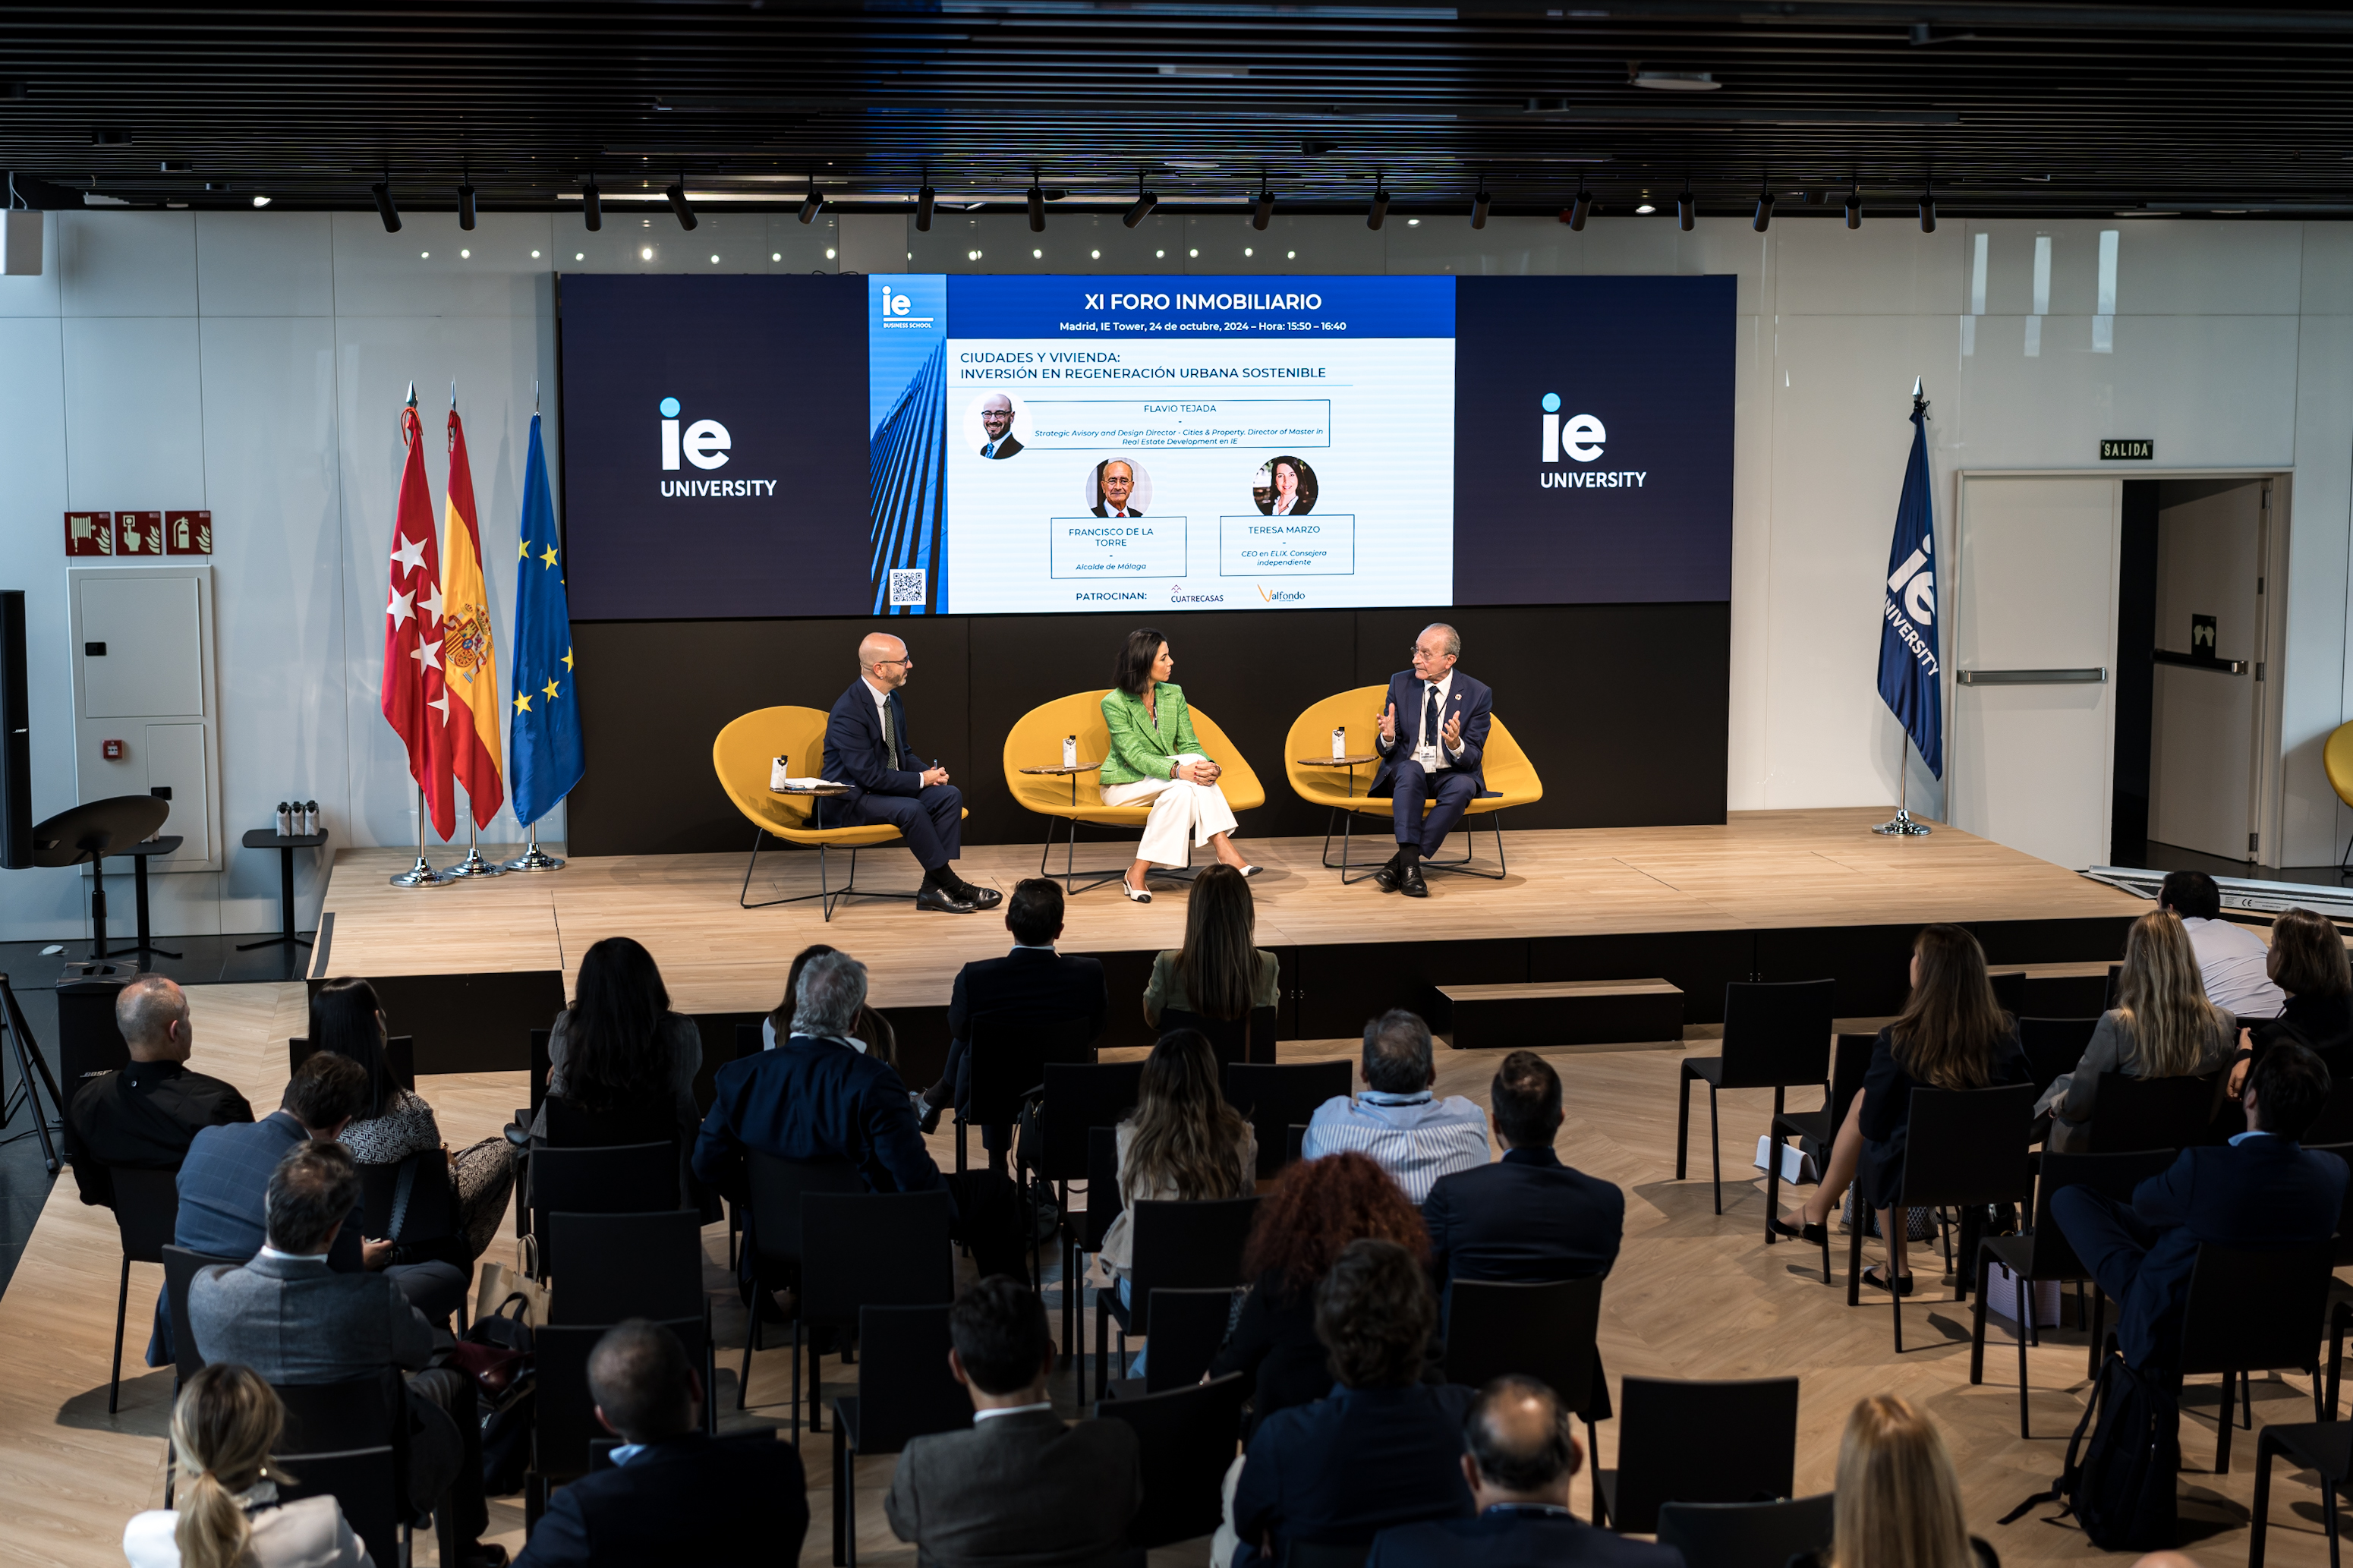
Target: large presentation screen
{"type": "Point", "coordinates": [926, 444]}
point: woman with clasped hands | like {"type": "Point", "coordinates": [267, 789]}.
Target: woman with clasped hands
{"type": "Point", "coordinates": [1155, 756]}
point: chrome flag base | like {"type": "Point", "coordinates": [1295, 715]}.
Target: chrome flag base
{"type": "Point", "coordinates": [420, 874]}
{"type": "Point", "coordinates": [534, 859]}
{"type": "Point", "coordinates": [1901, 826]}
{"type": "Point", "coordinates": [475, 865]}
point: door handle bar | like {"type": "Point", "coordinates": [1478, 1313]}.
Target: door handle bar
{"type": "Point", "coordinates": [2091, 677]}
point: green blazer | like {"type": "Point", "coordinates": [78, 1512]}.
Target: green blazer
{"type": "Point", "coordinates": [1140, 748]}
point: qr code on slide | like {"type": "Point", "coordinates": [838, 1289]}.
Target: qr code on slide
{"type": "Point", "coordinates": [906, 588]}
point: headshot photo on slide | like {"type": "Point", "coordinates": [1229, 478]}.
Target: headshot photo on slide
{"type": "Point", "coordinates": [994, 424]}
{"type": "Point", "coordinates": [1118, 486]}
{"type": "Point", "coordinates": [1284, 487]}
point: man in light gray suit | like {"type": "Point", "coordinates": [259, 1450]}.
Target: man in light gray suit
{"type": "Point", "coordinates": [1021, 1488]}
{"type": "Point", "coordinates": [297, 1322]}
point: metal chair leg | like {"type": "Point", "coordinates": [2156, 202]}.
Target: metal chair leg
{"type": "Point", "coordinates": [1683, 1125]}
{"type": "Point", "coordinates": [121, 1306]}
{"type": "Point", "coordinates": [2019, 1282]}
{"type": "Point", "coordinates": [2223, 1427]}
{"type": "Point", "coordinates": [2259, 1516]}
{"type": "Point", "coordinates": [1715, 1148]}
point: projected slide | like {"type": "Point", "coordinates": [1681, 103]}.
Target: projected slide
{"type": "Point", "coordinates": [1058, 443]}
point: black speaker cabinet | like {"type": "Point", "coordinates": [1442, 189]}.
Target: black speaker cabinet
{"type": "Point", "coordinates": [15, 739]}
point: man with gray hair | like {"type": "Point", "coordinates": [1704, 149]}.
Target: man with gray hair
{"type": "Point", "coordinates": [817, 1096]}
{"type": "Point", "coordinates": [142, 1117]}
{"type": "Point", "coordinates": [1433, 734]}
{"type": "Point", "coordinates": [1398, 1121]}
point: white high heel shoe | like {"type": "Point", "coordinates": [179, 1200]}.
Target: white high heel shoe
{"type": "Point", "coordinates": [1134, 895]}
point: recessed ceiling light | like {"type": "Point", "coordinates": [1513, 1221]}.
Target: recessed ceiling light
{"type": "Point", "coordinates": [1646, 207]}
{"type": "Point", "coordinates": [534, 256]}
{"type": "Point", "coordinates": [647, 254]}
{"type": "Point", "coordinates": [1097, 255]}
{"type": "Point", "coordinates": [828, 254]}
{"type": "Point", "coordinates": [261, 201]}
{"type": "Point", "coordinates": [424, 256]}
{"type": "Point", "coordinates": [1159, 253]}
{"type": "Point", "coordinates": [1246, 250]}
{"type": "Point", "coordinates": [776, 256]}
{"type": "Point", "coordinates": [1194, 252]}
{"type": "Point", "coordinates": [465, 255]}
{"type": "Point", "coordinates": [1413, 223]}
{"type": "Point", "coordinates": [1292, 256]}
{"type": "Point", "coordinates": [579, 256]}
{"type": "Point", "coordinates": [714, 261]}
{"type": "Point", "coordinates": [1677, 81]}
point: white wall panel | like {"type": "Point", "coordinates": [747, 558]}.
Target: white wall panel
{"type": "Point", "coordinates": [433, 267]}
{"type": "Point", "coordinates": [134, 412]}
{"type": "Point", "coordinates": [126, 264]}
{"type": "Point", "coordinates": [264, 264]}
{"type": "Point", "coordinates": [1883, 269]}
{"type": "Point", "coordinates": [2319, 505]}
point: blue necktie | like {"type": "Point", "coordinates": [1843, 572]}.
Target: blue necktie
{"type": "Point", "coordinates": [1429, 736]}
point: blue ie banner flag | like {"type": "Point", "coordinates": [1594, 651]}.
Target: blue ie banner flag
{"type": "Point", "coordinates": [543, 745]}
{"type": "Point", "coordinates": [1909, 674]}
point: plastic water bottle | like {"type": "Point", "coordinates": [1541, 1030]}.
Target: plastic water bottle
{"type": "Point", "coordinates": [1339, 743]}
{"type": "Point", "coordinates": [310, 818]}
{"type": "Point", "coordinates": [285, 820]}
{"type": "Point", "coordinates": [1070, 751]}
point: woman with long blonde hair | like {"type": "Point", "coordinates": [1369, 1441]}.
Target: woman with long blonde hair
{"type": "Point", "coordinates": [1184, 1144]}
{"type": "Point", "coordinates": [1951, 1035]}
{"type": "Point", "coordinates": [222, 1428]}
{"type": "Point", "coordinates": [2161, 1027]}
{"type": "Point", "coordinates": [1899, 1497]}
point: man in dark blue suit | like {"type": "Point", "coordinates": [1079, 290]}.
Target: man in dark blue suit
{"type": "Point", "coordinates": [1433, 731]}
{"type": "Point", "coordinates": [673, 1495]}
{"type": "Point", "coordinates": [1527, 1218]}
{"type": "Point", "coordinates": [1522, 1454]}
{"type": "Point", "coordinates": [867, 748]}
{"type": "Point", "coordinates": [1034, 980]}
{"type": "Point", "coordinates": [817, 1096]}
{"type": "Point", "coordinates": [2259, 1192]}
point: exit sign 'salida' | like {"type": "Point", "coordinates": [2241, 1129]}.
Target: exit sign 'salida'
{"type": "Point", "coordinates": [2127, 451]}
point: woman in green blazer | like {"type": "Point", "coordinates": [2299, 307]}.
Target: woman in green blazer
{"type": "Point", "coordinates": [1155, 756]}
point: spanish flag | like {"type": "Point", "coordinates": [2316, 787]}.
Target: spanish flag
{"type": "Point", "coordinates": [468, 652]}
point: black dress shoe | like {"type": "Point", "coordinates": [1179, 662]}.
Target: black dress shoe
{"type": "Point", "coordinates": [1386, 878]}
{"type": "Point", "coordinates": [930, 1123]}
{"type": "Point", "coordinates": [979, 898]}
{"type": "Point", "coordinates": [1802, 1231]}
{"type": "Point", "coordinates": [945, 901]}
{"type": "Point", "coordinates": [1409, 882]}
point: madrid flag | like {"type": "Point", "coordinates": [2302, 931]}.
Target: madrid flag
{"type": "Point", "coordinates": [468, 652]}
{"type": "Point", "coordinates": [415, 701]}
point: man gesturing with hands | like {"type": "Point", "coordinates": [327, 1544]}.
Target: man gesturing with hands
{"type": "Point", "coordinates": [1433, 730]}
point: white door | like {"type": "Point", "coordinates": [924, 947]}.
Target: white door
{"type": "Point", "coordinates": [2203, 730]}
{"type": "Point", "coordinates": [2033, 653]}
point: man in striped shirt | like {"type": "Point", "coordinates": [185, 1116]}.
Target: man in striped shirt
{"type": "Point", "coordinates": [1398, 1121]}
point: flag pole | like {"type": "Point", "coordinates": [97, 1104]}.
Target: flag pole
{"type": "Point", "coordinates": [534, 859]}
{"type": "Point", "coordinates": [1901, 824]}
{"type": "Point", "coordinates": [474, 865]}
{"type": "Point", "coordinates": [422, 874]}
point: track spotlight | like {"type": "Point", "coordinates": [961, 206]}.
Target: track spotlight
{"type": "Point", "coordinates": [1378, 213]}
{"type": "Point", "coordinates": [1137, 210]}
{"type": "Point", "coordinates": [1581, 208]}
{"type": "Point", "coordinates": [1764, 210]}
{"type": "Point", "coordinates": [1262, 210]}
{"type": "Point", "coordinates": [592, 206]}
{"type": "Point", "coordinates": [679, 205]}
{"type": "Point", "coordinates": [465, 203]}
{"type": "Point", "coordinates": [813, 202]}
{"type": "Point", "coordinates": [924, 200]}
{"type": "Point", "coordinates": [1479, 205]}
{"type": "Point", "coordinates": [1927, 211]}
{"type": "Point", "coordinates": [1686, 209]}
{"type": "Point", "coordinates": [1037, 195]}
{"type": "Point", "coordinates": [1854, 206]}
{"type": "Point", "coordinates": [382, 191]}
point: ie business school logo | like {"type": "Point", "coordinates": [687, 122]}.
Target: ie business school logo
{"type": "Point", "coordinates": [706, 443]}
{"type": "Point", "coordinates": [1580, 439]}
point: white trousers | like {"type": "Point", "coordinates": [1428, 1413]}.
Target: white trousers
{"type": "Point", "coordinates": [1178, 810]}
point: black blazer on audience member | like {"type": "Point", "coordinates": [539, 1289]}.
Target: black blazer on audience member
{"type": "Point", "coordinates": [1024, 1489]}
{"type": "Point", "coordinates": [1350, 1465]}
{"type": "Point", "coordinates": [1887, 1110]}
{"type": "Point", "coordinates": [1273, 1346]}
{"type": "Point", "coordinates": [1029, 980]}
{"type": "Point", "coordinates": [1509, 1537]}
{"type": "Point", "coordinates": [1526, 1218]}
{"type": "Point", "coordinates": [2323, 1024]}
{"type": "Point", "coordinates": [688, 1501]}
{"type": "Point", "coordinates": [143, 1117]}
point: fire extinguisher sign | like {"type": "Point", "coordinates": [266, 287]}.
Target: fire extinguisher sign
{"type": "Point", "coordinates": [187, 533]}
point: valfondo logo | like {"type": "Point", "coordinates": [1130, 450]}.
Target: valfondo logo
{"type": "Point", "coordinates": [1580, 438]}
{"type": "Point", "coordinates": [704, 443]}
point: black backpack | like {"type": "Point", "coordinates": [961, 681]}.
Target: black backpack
{"type": "Point", "coordinates": [2120, 1487]}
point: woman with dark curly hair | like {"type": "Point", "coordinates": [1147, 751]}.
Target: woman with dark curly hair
{"type": "Point", "coordinates": [1315, 1210]}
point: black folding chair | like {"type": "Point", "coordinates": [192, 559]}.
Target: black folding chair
{"type": "Point", "coordinates": [1748, 1534]}
{"type": "Point", "coordinates": [771, 1239]}
{"type": "Point", "coordinates": [1190, 1245]}
{"type": "Point", "coordinates": [2043, 1253]}
{"type": "Point", "coordinates": [399, 1055]}
{"type": "Point", "coordinates": [1188, 1328]}
{"type": "Point", "coordinates": [350, 1441]}
{"type": "Point", "coordinates": [2324, 1446]}
{"type": "Point", "coordinates": [1278, 1097]}
{"type": "Point", "coordinates": [1499, 1329]}
{"type": "Point", "coordinates": [623, 1266]}
{"type": "Point", "coordinates": [629, 1178]}
{"type": "Point", "coordinates": [1084, 1234]}
{"type": "Point", "coordinates": [564, 1412]}
{"type": "Point", "coordinates": [180, 1267]}
{"type": "Point", "coordinates": [2335, 1124]}
{"type": "Point", "coordinates": [1079, 1096]}
{"type": "Point", "coordinates": [1775, 1035]}
{"type": "Point", "coordinates": [1186, 1440]}
{"type": "Point", "coordinates": [2009, 990]}
{"type": "Point", "coordinates": [1235, 1041]}
{"type": "Point", "coordinates": [2134, 1113]}
{"type": "Point", "coordinates": [2253, 1311]}
{"type": "Point", "coordinates": [2053, 1045]}
{"type": "Point", "coordinates": [1698, 1441]}
{"type": "Point", "coordinates": [146, 1213]}
{"type": "Point", "coordinates": [904, 1390]}
{"type": "Point", "coordinates": [1849, 1060]}
{"type": "Point", "coordinates": [1294, 1144]}
{"type": "Point", "coordinates": [866, 1249]}
{"type": "Point", "coordinates": [1006, 1061]}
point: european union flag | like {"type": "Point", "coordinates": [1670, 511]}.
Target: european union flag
{"type": "Point", "coordinates": [1909, 678]}
{"type": "Point", "coordinates": [543, 743]}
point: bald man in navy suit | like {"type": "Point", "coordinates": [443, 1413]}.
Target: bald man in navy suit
{"type": "Point", "coordinates": [1434, 732]}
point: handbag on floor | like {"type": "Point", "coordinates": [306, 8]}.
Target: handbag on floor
{"type": "Point", "coordinates": [2121, 1485]}
{"type": "Point", "coordinates": [1920, 1225]}
{"type": "Point", "coordinates": [498, 1284]}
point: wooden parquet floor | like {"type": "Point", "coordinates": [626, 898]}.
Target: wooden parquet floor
{"type": "Point", "coordinates": [1693, 1295]}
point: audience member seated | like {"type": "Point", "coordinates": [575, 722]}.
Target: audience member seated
{"type": "Point", "coordinates": [1522, 1456]}
{"type": "Point", "coordinates": [1220, 972]}
{"type": "Point", "coordinates": [1316, 1208]}
{"type": "Point", "coordinates": [2161, 1027]}
{"type": "Point", "coordinates": [814, 1096]}
{"type": "Point", "coordinates": [2231, 962]}
{"type": "Point", "coordinates": [1397, 1120]}
{"type": "Point", "coordinates": [223, 1180]}
{"type": "Point", "coordinates": [224, 1426]}
{"type": "Point", "coordinates": [298, 1322]}
{"type": "Point", "coordinates": [1184, 1143]}
{"type": "Point", "coordinates": [1019, 1486]}
{"type": "Point", "coordinates": [397, 1123]}
{"type": "Point", "coordinates": [2258, 1191]}
{"type": "Point", "coordinates": [619, 1051]}
{"type": "Point", "coordinates": [874, 1036]}
{"type": "Point", "coordinates": [1032, 979]}
{"type": "Point", "coordinates": [2308, 963]}
{"type": "Point", "coordinates": [674, 1498]}
{"type": "Point", "coordinates": [142, 1117]}
{"type": "Point", "coordinates": [1384, 1448]}
{"type": "Point", "coordinates": [1899, 1497]}
{"type": "Point", "coordinates": [1951, 1035]}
